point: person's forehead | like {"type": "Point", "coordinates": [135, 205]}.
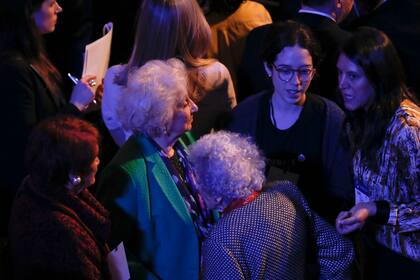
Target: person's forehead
{"type": "Point", "coordinates": [294, 55]}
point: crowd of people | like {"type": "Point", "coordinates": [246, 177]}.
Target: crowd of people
{"type": "Point", "coordinates": [315, 175]}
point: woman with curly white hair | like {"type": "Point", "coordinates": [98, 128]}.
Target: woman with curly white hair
{"type": "Point", "coordinates": [266, 231]}
{"type": "Point", "coordinates": [148, 187]}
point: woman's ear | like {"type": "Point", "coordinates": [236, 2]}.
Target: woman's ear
{"type": "Point", "coordinates": [268, 70]}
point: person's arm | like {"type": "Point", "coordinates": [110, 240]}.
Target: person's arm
{"type": "Point", "coordinates": [219, 262]}
{"type": "Point", "coordinates": [18, 116]}
{"type": "Point", "coordinates": [403, 217]}
{"type": "Point", "coordinates": [83, 94]}
{"type": "Point", "coordinates": [130, 220]}
{"type": "Point", "coordinates": [243, 119]}
{"type": "Point", "coordinates": [335, 253]}
{"type": "Point", "coordinates": [337, 161]}
{"type": "Point", "coordinates": [406, 217]}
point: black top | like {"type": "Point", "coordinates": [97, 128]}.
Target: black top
{"type": "Point", "coordinates": [295, 154]}
{"type": "Point", "coordinates": [333, 191]}
{"type": "Point", "coordinates": [400, 20]}
{"type": "Point", "coordinates": [330, 37]}
{"type": "Point", "coordinates": [26, 101]}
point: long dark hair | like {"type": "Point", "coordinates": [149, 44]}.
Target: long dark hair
{"type": "Point", "coordinates": [373, 51]}
{"type": "Point", "coordinates": [19, 34]}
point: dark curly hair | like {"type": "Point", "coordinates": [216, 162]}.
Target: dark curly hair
{"type": "Point", "coordinates": [288, 34]}
{"type": "Point", "coordinates": [58, 147]}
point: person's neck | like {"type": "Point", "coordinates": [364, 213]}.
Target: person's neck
{"type": "Point", "coordinates": [280, 106]}
{"type": "Point", "coordinates": [241, 202]}
{"type": "Point", "coordinates": [166, 143]}
{"type": "Point", "coordinates": [284, 115]}
{"type": "Point", "coordinates": [379, 4]}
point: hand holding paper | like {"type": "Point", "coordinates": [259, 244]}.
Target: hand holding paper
{"type": "Point", "coordinates": [97, 55]}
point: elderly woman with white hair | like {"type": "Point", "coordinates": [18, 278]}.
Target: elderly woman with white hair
{"type": "Point", "coordinates": [148, 187]}
{"type": "Point", "coordinates": [266, 232]}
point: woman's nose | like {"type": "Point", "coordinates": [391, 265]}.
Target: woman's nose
{"type": "Point", "coordinates": [296, 78]}
{"type": "Point", "coordinates": [341, 81]}
{"type": "Point", "coordinates": [58, 8]}
{"type": "Point", "coordinates": [194, 107]}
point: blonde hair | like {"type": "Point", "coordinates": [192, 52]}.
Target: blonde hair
{"type": "Point", "coordinates": [152, 94]}
{"type": "Point", "coordinates": [179, 30]}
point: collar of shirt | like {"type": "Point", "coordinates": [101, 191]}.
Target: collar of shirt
{"type": "Point", "coordinates": [379, 4]}
{"type": "Point", "coordinates": [316, 13]}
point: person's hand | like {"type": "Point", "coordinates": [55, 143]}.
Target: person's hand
{"type": "Point", "coordinates": [95, 105]}
{"type": "Point", "coordinates": [99, 93]}
{"type": "Point", "coordinates": [354, 219]}
{"type": "Point", "coordinates": [83, 92]}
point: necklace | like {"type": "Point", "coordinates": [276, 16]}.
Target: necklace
{"type": "Point", "coordinates": [241, 202]}
{"type": "Point", "coordinates": [167, 152]}
{"type": "Point", "coordinates": [273, 117]}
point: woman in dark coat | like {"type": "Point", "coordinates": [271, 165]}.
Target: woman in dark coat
{"type": "Point", "coordinates": [29, 86]}
{"type": "Point", "coordinates": [57, 228]}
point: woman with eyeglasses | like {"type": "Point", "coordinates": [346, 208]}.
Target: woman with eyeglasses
{"type": "Point", "coordinates": [299, 133]}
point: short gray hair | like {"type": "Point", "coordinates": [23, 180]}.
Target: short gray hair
{"type": "Point", "coordinates": [227, 165]}
{"type": "Point", "coordinates": [153, 91]}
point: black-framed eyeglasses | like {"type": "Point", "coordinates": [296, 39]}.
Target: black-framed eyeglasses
{"type": "Point", "coordinates": [286, 73]}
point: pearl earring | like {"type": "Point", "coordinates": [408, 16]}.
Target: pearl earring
{"type": "Point", "coordinates": [75, 180]}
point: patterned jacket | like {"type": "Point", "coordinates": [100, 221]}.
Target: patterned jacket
{"type": "Point", "coordinates": [58, 235]}
{"type": "Point", "coordinates": [396, 181]}
{"type": "Point", "coordinates": [275, 237]}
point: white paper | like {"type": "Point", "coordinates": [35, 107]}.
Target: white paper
{"type": "Point", "coordinates": [97, 55]}
{"type": "Point", "coordinates": [117, 263]}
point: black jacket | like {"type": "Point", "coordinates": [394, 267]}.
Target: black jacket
{"type": "Point", "coordinates": [330, 36]}
{"type": "Point", "coordinates": [25, 102]}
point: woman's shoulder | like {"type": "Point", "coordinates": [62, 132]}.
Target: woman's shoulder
{"type": "Point", "coordinates": [115, 69]}
{"type": "Point", "coordinates": [409, 113]}
{"type": "Point", "coordinates": [249, 108]}
{"type": "Point", "coordinates": [286, 188]}
{"type": "Point", "coordinates": [404, 126]}
{"type": "Point", "coordinates": [326, 103]}
{"type": "Point", "coordinates": [112, 92]}
{"type": "Point", "coordinates": [13, 65]}
{"type": "Point", "coordinates": [214, 72]}
{"type": "Point", "coordinates": [333, 115]}
{"type": "Point", "coordinates": [132, 154]}
{"type": "Point", "coordinates": [113, 72]}
{"type": "Point", "coordinates": [251, 101]}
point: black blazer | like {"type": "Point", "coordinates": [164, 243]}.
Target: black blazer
{"type": "Point", "coordinates": [25, 102]}
{"type": "Point", "coordinates": [330, 36]}
{"type": "Point", "coordinates": [400, 20]}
